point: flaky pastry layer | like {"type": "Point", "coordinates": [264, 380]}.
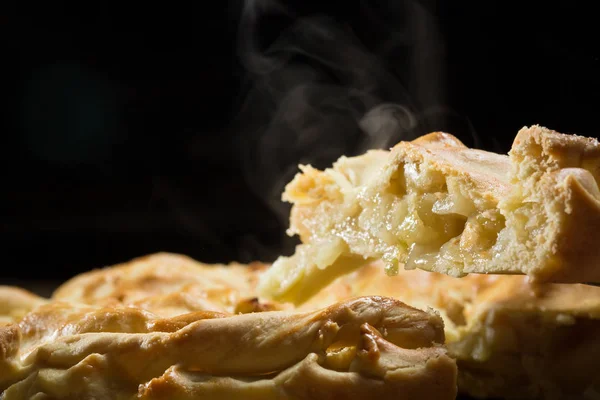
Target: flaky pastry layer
{"type": "Point", "coordinates": [436, 205]}
{"type": "Point", "coordinates": [169, 285]}
{"type": "Point", "coordinates": [95, 339]}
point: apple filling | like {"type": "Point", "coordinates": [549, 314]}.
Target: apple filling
{"type": "Point", "coordinates": [422, 219]}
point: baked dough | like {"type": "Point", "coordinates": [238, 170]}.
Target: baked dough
{"type": "Point", "coordinates": [169, 285]}
{"type": "Point", "coordinates": [512, 339]}
{"type": "Point", "coordinates": [16, 302]}
{"type": "Point", "coordinates": [95, 339]}
{"type": "Point", "coordinates": [436, 205]}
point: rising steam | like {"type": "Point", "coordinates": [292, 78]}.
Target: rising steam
{"type": "Point", "coordinates": [317, 89]}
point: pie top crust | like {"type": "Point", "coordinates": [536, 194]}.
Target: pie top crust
{"type": "Point", "coordinates": [131, 332]}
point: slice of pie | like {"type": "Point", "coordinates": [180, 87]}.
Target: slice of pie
{"type": "Point", "coordinates": [436, 205]}
{"type": "Point", "coordinates": [129, 332]}
{"type": "Point", "coordinates": [512, 339]}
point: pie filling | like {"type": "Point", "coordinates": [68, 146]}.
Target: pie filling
{"type": "Point", "coordinates": [423, 219]}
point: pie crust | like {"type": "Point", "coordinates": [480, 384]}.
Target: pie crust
{"type": "Point", "coordinates": [130, 332]}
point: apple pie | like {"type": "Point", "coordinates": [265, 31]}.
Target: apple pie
{"type": "Point", "coordinates": [436, 205]}
{"type": "Point", "coordinates": [137, 332]}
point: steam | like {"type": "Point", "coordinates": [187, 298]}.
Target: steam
{"type": "Point", "coordinates": [384, 122]}
{"type": "Point", "coordinates": [315, 91]}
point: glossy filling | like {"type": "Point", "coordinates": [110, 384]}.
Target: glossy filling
{"type": "Point", "coordinates": [423, 220]}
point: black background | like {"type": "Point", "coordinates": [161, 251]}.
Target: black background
{"type": "Point", "coordinates": [164, 128]}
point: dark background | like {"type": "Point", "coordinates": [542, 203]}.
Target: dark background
{"type": "Point", "coordinates": [126, 132]}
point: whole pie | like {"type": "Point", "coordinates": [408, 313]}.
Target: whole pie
{"type": "Point", "coordinates": [166, 326]}
{"type": "Point", "coordinates": [436, 205]}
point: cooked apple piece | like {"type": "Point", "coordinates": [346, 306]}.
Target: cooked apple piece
{"type": "Point", "coordinates": [436, 205]}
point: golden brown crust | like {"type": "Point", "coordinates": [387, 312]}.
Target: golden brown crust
{"type": "Point", "coordinates": [112, 347]}
{"type": "Point", "coordinates": [167, 284]}
{"type": "Point", "coordinates": [307, 380]}
{"type": "Point", "coordinates": [16, 302]}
